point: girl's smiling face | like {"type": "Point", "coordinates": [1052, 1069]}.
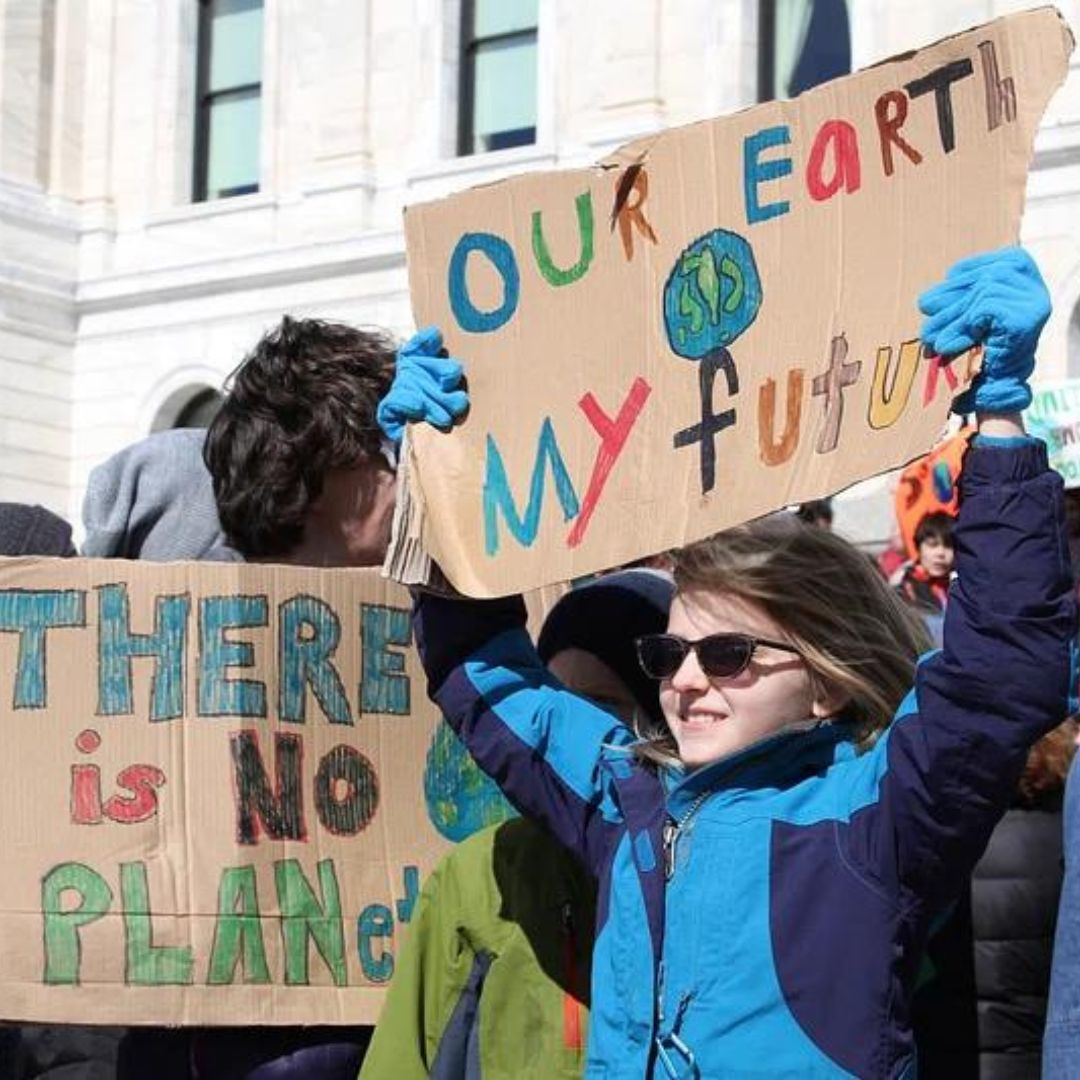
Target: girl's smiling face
{"type": "Point", "coordinates": [711, 718]}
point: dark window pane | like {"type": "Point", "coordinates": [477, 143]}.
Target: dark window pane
{"type": "Point", "coordinates": [808, 42]}
{"type": "Point", "coordinates": [503, 140]}
{"type": "Point", "coordinates": [200, 410]}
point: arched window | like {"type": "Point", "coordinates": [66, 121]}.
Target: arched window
{"type": "Point", "coordinates": [188, 407]}
{"type": "Point", "coordinates": [200, 409]}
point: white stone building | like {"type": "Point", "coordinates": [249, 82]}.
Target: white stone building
{"type": "Point", "coordinates": [177, 174]}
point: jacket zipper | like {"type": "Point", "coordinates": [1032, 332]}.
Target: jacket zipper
{"type": "Point", "coordinates": [673, 828]}
{"type": "Point", "coordinates": [672, 831]}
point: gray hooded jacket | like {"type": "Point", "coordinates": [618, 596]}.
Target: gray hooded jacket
{"type": "Point", "coordinates": [154, 500]}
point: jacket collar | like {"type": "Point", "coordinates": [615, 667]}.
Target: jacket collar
{"type": "Point", "coordinates": [768, 762]}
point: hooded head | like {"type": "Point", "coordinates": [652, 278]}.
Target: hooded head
{"type": "Point", "coordinates": [154, 500]}
{"type": "Point", "coordinates": [33, 530]}
{"type": "Point", "coordinates": [602, 618]}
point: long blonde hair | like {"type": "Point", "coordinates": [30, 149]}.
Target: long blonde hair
{"type": "Point", "coordinates": [855, 635]}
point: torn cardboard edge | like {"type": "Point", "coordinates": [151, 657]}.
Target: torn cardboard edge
{"type": "Point", "coordinates": [407, 560]}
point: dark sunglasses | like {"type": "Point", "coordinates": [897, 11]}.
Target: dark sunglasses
{"type": "Point", "coordinates": [721, 656]}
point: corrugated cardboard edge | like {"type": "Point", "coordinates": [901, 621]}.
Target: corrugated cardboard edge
{"type": "Point", "coordinates": [407, 560]}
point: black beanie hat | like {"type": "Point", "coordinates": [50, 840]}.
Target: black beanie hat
{"type": "Point", "coordinates": [33, 530]}
{"type": "Point", "coordinates": [604, 616]}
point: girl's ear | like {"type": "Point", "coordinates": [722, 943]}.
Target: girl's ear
{"type": "Point", "coordinates": [828, 701]}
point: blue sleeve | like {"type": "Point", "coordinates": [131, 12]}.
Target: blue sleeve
{"type": "Point", "coordinates": [540, 743]}
{"type": "Point", "coordinates": [948, 767]}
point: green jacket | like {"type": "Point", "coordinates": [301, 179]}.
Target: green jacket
{"type": "Point", "coordinates": [492, 980]}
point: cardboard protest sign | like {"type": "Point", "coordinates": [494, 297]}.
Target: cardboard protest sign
{"type": "Point", "coordinates": [713, 322]}
{"type": "Point", "coordinates": [1054, 416]}
{"type": "Point", "coordinates": [222, 788]}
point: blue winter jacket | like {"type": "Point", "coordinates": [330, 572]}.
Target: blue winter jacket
{"type": "Point", "coordinates": [765, 915]}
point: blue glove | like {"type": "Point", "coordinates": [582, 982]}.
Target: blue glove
{"type": "Point", "coordinates": [426, 387]}
{"type": "Point", "coordinates": [998, 300]}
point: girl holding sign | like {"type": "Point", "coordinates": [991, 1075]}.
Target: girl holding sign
{"type": "Point", "coordinates": [769, 862]}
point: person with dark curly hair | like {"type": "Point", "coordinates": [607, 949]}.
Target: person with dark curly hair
{"type": "Point", "coordinates": [302, 472]}
{"type": "Point", "coordinates": [296, 456]}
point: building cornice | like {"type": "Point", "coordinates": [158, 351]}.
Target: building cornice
{"type": "Point", "coordinates": [245, 272]}
{"type": "Point", "coordinates": [28, 207]}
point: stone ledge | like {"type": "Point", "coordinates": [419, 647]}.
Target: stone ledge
{"type": "Point", "coordinates": [243, 273]}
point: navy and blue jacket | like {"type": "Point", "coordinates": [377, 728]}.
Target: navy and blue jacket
{"type": "Point", "coordinates": [765, 915]}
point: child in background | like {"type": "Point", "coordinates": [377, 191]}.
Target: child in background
{"type": "Point", "coordinates": [769, 862]}
{"type": "Point", "coordinates": [924, 583]}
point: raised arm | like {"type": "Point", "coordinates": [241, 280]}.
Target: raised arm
{"type": "Point", "coordinates": [544, 746]}
{"type": "Point", "coordinates": [946, 771]}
